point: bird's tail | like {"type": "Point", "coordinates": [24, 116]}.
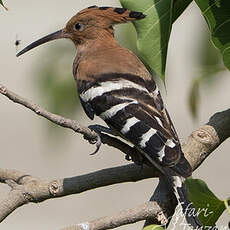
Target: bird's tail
{"type": "Point", "coordinates": [175, 177]}
{"type": "Point", "coordinates": [177, 185]}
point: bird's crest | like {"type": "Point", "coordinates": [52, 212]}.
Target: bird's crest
{"type": "Point", "coordinates": [107, 16]}
{"type": "Point", "coordinates": [112, 15]}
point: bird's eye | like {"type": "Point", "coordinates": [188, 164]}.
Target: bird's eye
{"type": "Point", "coordinates": [79, 27]}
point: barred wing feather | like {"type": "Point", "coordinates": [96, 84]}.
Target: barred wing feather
{"type": "Point", "coordinates": [134, 108]}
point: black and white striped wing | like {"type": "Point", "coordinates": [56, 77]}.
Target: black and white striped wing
{"type": "Point", "coordinates": [134, 108]}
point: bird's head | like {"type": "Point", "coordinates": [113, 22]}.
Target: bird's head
{"type": "Point", "coordinates": [89, 24]}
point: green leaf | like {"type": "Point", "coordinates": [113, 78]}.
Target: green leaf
{"type": "Point", "coordinates": [207, 76]}
{"type": "Point", "coordinates": [216, 13]}
{"type": "Point", "coordinates": [153, 227]}
{"type": "Point", "coordinates": [206, 203]}
{"type": "Point", "coordinates": [194, 98]}
{"type": "Point", "coordinates": [208, 58]}
{"type": "Point", "coordinates": [153, 31]}
{"type": "Point", "coordinates": [1, 3]}
{"type": "Point", "coordinates": [227, 203]}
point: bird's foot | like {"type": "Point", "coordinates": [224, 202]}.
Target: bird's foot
{"type": "Point", "coordinates": [99, 129]}
{"type": "Point", "coordinates": [135, 156]}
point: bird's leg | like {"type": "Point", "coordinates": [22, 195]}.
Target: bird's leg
{"type": "Point", "coordinates": [132, 154]}
{"type": "Point", "coordinates": [100, 129]}
{"type": "Point", "coordinates": [135, 156]}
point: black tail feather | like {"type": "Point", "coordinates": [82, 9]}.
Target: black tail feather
{"type": "Point", "coordinates": [178, 187]}
{"type": "Point", "coordinates": [188, 209]}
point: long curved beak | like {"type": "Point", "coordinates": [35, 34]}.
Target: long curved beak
{"type": "Point", "coordinates": [56, 35]}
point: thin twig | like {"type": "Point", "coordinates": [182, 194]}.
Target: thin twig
{"type": "Point", "coordinates": [147, 210]}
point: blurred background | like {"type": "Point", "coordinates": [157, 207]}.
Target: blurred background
{"type": "Point", "coordinates": [196, 88]}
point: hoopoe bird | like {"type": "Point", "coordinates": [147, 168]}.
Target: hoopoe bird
{"type": "Point", "coordinates": [116, 86]}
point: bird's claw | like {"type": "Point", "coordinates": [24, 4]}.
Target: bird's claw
{"type": "Point", "coordinates": [98, 145]}
{"type": "Point", "coordinates": [99, 129]}
{"type": "Point", "coordinates": [128, 157]}
{"type": "Point", "coordinates": [98, 142]}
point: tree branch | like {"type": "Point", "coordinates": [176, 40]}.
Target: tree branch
{"type": "Point", "coordinates": [25, 188]}
{"type": "Point", "coordinates": [34, 189]}
{"type": "Point", "coordinates": [147, 210]}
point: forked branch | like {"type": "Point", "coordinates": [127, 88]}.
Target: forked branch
{"type": "Point", "coordinates": [27, 188]}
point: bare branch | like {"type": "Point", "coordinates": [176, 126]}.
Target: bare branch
{"type": "Point", "coordinates": [147, 210]}
{"type": "Point", "coordinates": [221, 123]}
{"type": "Point", "coordinates": [200, 144]}
{"type": "Point", "coordinates": [33, 189]}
